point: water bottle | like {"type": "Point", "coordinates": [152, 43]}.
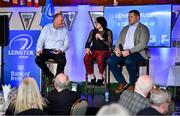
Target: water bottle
{"type": "Point", "coordinates": [106, 96]}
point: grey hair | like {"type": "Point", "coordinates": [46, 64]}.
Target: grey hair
{"type": "Point", "coordinates": [159, 96]}
{"type": "Point", "coordinates": [113, 109]}
{"type": "Point", "coordinates": [61, 85]}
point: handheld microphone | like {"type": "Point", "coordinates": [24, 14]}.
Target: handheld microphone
{"type": "Point", "coordinates": [121, 47]}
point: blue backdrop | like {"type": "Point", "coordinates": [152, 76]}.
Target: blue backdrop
{"type": "Point", "coordinates": [156, 17]}
{"type": "Point", "coordinates": [19, 57]}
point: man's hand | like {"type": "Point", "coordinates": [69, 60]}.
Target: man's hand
{"type": "Point", "coordinates": [38, 53]}
{"type": "Point", "coordinates": [98, 36]}
{"type": "Point", "coordinates": [117, 52]}
{"type": "Point", "coordinates": [56, 51]}
{"type": "Point", "coordinates": [125, 53]}
{"type": "Point", "coordinates": [88, 51]}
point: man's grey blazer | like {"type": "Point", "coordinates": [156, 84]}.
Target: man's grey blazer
{"type": "Point", "coordinates": [141, 38]}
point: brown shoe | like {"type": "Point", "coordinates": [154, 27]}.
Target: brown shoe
{"type": "Point", "coordinates": [121, 87]}
{"type": "Point", "coordinates": [130, 88]}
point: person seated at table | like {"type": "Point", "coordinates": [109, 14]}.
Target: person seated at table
{"type": "Point", "coordinates": [28, 99]}
{"type": "Point", "coordinates": [60, 100]}
{"type": "Point", "coordinates": [137, 100]}
{"type": "Point", "coordinates": [160, 100]}
{"type": "Point", "coordinates": [113, 109]}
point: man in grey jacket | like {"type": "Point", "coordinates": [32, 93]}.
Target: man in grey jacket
{"type": "Point", "coordinates": [130, 49]}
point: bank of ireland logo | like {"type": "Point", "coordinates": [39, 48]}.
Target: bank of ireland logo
{"type": "Point", "coordinates": [20, 67]}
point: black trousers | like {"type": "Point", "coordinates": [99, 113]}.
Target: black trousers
{"type": "Point", "coordinates": [60, 59]}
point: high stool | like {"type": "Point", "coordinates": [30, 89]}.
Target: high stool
{"type": "Point", "coordinates": [46, 86]}
{"type": "Point", "coordinates": [139, 65]}
{"type": "Point", "coordinates": [93, 87]}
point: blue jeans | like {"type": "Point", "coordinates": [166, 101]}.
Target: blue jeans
{"type": "Point", "coordinates": [130, 62]}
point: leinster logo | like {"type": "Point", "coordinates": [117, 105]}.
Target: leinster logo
{"type": "Point", "coordinates": [49, 11]}
{"type": "Point", "coordinates": [20, 46]}
{"type": "Point", "coordinates": [21, 42]}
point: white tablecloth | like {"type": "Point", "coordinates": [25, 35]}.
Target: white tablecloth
{"type": "Point", "coordinates": [174, 76]}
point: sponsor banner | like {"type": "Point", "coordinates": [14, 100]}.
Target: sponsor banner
{"type": "Point", "coordinates": [19, 57]}
{"type": "Point", "coordinates": [94, 15]}
{"type": "Point", "coordinates": [48, 13]}
{"type": "Point", "coordinates": [69, 17]}
{"type": "Point", "coordinates": [29, 2]}
{"type": "Point", "coordinates": [36, 3]}
{"type": "Point", "coordinates": [7, 13]}
{"type": "Point", "coordinates": [22, 2]}
{"type": "Point", "coordinates": [15, 1]}
{"type": "Point", "coordinates": [174, 17]}
{"type": "Point", "coordinates": [27, 19]}
{"type": "Point", "coordinates": [6, 0]}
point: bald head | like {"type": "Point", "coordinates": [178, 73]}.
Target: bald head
{"type": "Point", "coordinates": [114, 109]}
{"type": "Point", "coordinates": [62, 77]}
{"type": "Point", "coordinates": [61, 81]}
{"type": "Point", "coordinates": [144, 84]}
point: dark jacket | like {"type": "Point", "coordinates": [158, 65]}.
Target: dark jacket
{"type": "Point", "coordinates": [10, 111]}
{"type": "Point", "coordinates": [59, 103]}
{"type": "Point", "coordinates": [141, 39]}
{"type": "Point", "coordinates": [149, 111]}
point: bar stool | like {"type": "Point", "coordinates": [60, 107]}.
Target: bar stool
{"type": "Point", "coordinates": [46, 86]}
{"type": "Point", "coordinates": [93, 87]}
{"type": "Point", "coordinates": [139, 65]}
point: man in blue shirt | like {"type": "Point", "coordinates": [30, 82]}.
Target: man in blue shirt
{"type": "Point", "coordinates": [53, 42]}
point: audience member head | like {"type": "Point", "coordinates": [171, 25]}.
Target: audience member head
{"type": "Point", "coordinates": [160, 100]}
{"type": "Point", "coordinates": [114, 109]}
{"type": "Point", "coordinates": [58, 21]}
{"type": "Point", "coordinates": [61, 82]}
{"type": "Point", "coordinates": [101, 22]}
{"type": "Point", "coordinates": [28, 96]}
{"type": "Point", "coordinates": [144, 85]}
{"type": "Point", "coordinates": [12, 94]}
{"type": "Point", "coordinates": [133, 17]}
